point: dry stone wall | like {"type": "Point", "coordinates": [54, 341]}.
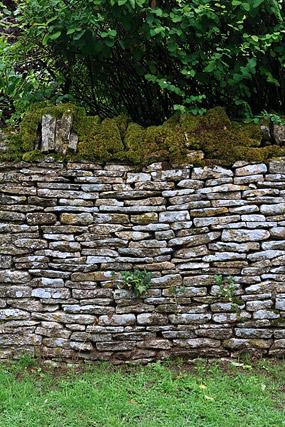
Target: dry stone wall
{"type": "Point", "coordinates": [65, 228]}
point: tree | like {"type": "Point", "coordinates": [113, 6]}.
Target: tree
{"type": "Point", "coordinates": [148, 58]}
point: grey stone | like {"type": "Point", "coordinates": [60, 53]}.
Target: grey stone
{"type": "Point", "coordinates": [186, 318]}
{"type": "Point", "coordinates": [48, 133]}
{"type": "Point", "coordinates": [280, 302]}
{"type": "Point", "coordinates": [10, 276]}
{"type": "Point", "coordinates": [172, 216]}
{"type": "Point", "coordinates": [251, 170]}
{"type": "Point", "coordinates": [62, 133]}
{"type": "Point", "coordinates": [117, 320]}
{"type": "Point", "coordinates": [13, 314]}
{"type": "Point", "coordinates": [277, 166]}
{"type": "Point", "coordinates": [211, 172]}
{"type": "Point", "coordinates": [245, 235]}
{"type": "Point", "coordinates": [197, 343]}
{"type": "Point", "coordinates": [273, 209]}
{"type": "Point", "coordinates": [80, 219]}
{"type": "Point", "coordinates": [152, 319]}
{"type": "Point", "coordinates": [41, 218]}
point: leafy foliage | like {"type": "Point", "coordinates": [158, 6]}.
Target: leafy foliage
{"type": "Point", "coordinates": [137, 281]}
{"type": "Point", "coordinates": [149, 58]}
{"type": "Point", "coordinates": [228, 290]}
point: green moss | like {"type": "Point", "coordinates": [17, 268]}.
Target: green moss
{"type": "Point", "coordinates": [105, 145]}
{"type": "Point", "coordinates": [13, 152]}
{"type": "Point", "coordinates": [33, 156]}
{"type": "Point", "coordinates": [238, 301]}
{"type": "Point", "coordinates": [134, 143]}
{"type": "Point", "coordinates": [278, 322]}
{"type": "Point", "coordinates": [122, 122]}
{"type": "Point", "coordinates": [218, 119]}
{"type": "Point", "coordinates": [222, 141]}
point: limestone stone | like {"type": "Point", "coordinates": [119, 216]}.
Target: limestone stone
{"type": "Point", "coordinates": [217, 333]}
{"type": "Point", "coordinates": [132, 235]}
{"type": "Point", "coordinates": [76, 219]}
{"type": "Point", "coordinates": [152, 319]}
{"type": "Point", "coordinates": [48, 133]}
{"type": "Point", "coordinates": [148, 244]}
{"type": "Point", "coordinates": [280, 302]}
{"type": "Point", "coordinates": [51, 293]}
{"type": "Point", "coordinates": [239, 180]}
{"type": "Point", "coordinates": [244, 235]}
{"type": "Point", "coordinates": [87, 346]}
{"type": "Point", "coordinates": [186, 318]}
{"type": "Point", "coordinates": [20, 340]}
{"type": "Point", "coordinates": [197, 251]}
{"type": "Point", "coordinates": [277, 232]}
{"type": "Point", "coordinates": [265, 314]}
{"type": "Point", "coordinates": [191, 183]}
{"type": "Point", "coordinates": [197, 343]}
{"type": "Point", "coordinates": [273, 209]}
{"type": "Point", "coordinates": [144, 219]}
{"type": "Point", "coordinates": [208, 212]}
{"type": "Point", "coordinates": [253, 333]}
{"type": "Point", "coordinates": [117, 320]}
{"type": "Point", "coordinates": [5, 262]}
{"type": "Point", "coordinates": [241, 343]}
{"type": "Point", "coordinates": [11, 276]}
{"type": "Point", "coordinates": [62, 133]}
{"type": "Point", "coordinates": [138, 177]}
{"type": "Point", "coordinates": [162, 235]}
{"type": "Point", "coordinates": [222, 256]}
{"type": "Point", "coordinates": [279, 343]}
{"type": "Point", "coordinates": [258, 305]}
{"type": "Point", "coordinates": [265, 255]}
{"type": "Point", "coordinates": [174, 216]}
{"type": "Point", "coordinates": [13, 314]}
{"type": "Point", "coordinates": [251, 170]}
{"type": "Point", "coordinates": [235, 247]}
{"type": "Point", "coordinates": [211, 172]}
{"type": "Point", "coordinates": [230, 317]}
{"type": "Point", "coordinates": [223, 188]}
{"type": "Point", "coordinates": [277, 166]}
{"type": "Point", "coordinates": [41, 218]}
{"type": "Point", "coordinates": [195, 240]}
{"type": "Point", "coordinates": [205, 222]}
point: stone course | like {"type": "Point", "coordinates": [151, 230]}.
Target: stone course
{"type": "Point", "coordinates": [65, 228]}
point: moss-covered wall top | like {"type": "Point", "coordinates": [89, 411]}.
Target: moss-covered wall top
{"type": "Point", "coordinates": [181, 139]}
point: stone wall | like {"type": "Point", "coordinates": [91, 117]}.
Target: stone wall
{"type": "Point", "coordinates": [65, 229]}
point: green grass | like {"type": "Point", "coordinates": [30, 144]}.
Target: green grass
{"type": "Point", "coordinates": [168, 394]}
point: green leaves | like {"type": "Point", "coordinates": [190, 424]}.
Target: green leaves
{"type": "Point", "coordinates": [148, 58]}
{"type": "Point", "coordinates": [136, 280]}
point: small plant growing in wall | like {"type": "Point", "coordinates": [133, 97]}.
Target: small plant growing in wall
{"type": "Point", "coordinates": [137, 281]}
{"type": "Point", "coordinates": [228, 290]}
{"type": "Point", "coordinates": [174, 290]}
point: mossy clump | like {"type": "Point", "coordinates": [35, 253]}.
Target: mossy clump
{"type": "Point", "coordinates": [33, 156]}
{"type": "Point", "coordinates": [134, 143]}
{"type": "Point", "coordinates": [280, 321]}
{"type": "Point", "coordinates": [106, 144]}
{"type": "Point", "coordinates": [12, 152]}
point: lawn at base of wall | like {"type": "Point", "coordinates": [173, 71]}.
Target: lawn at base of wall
{"type": "Point", "coordinates": [204, 393]}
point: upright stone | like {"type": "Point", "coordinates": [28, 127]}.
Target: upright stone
{"type": "Point", "coordinates": [48, 133]}
{"type": "Point", "coordinates": [62, 134]}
